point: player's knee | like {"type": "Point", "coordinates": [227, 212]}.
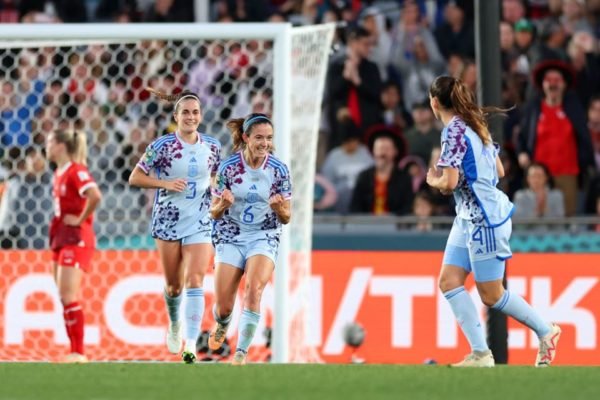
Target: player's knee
{"type": "Point", "coordinates": [489, 297]}
{"type": "Point", "coordinates": [194, 280]}
{"type": "Point", "coordinates": [67, 298]}
{"type": "Point", "coordinates": [224, 310]}
{"type": "Point", "coordinates": [447, 283]}
{"type": "Point", "coordinates": [253, 295]}
{"type": "Point", "coordinates": [173, 290]}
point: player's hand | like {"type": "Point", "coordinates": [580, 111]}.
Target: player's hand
{"type": "Point", "coordinates": [432, 175]}
{"type": "Point", "coordinates": [227, 198]}
{"type": "Point", "coordinates": [71, 220]}
{"type": "Point", "coordinates": [276, 202]}
{"type": "Point", "coordinates": [176, 185]}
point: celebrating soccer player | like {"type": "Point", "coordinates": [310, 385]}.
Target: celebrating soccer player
{"type": "Point", "coordinates": [470, 169]}
{"type": "Point", "coordinates": [251, 202]}
{"type": "Point", "coordinates": [71, 232]}
{"type": "Point", "coordinates": [184, 163]}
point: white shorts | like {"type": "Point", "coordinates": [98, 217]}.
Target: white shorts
{"type": "Point", "coordinates": [197, 238]}
{"type": "Point", "coordinates": [238, 253]}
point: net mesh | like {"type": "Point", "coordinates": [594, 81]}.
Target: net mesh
{"type": "Point", "coordinates": [100, 88]}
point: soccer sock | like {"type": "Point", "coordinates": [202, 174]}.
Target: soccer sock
{"type": "Point", "coordinates": [514, 305]}
{"type": "Point", "coordinates": [248, 323]}
{"type": "Point", "coordinates": [466, 314]}
{"type": "Point", "coordinates": [74, 321]}
{"type": "Point", "coordinates": [223, 321]}
{"type": "Point", "coordinates": [194, 310]}
{"type": "Point", "coordinates": [173, 306]}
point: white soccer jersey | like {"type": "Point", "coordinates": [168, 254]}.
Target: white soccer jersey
{"type": "Point", "coordinates": [177, 215]}
{"type": "Point", "coordinates": [250, 214]}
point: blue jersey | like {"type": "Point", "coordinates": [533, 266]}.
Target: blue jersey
{"type": "Point", "coordinates": [476, 195]}
{"type": "Point", "coordinates": [250, 214]}
{"type": "Point", "coordinates": [177, 215]}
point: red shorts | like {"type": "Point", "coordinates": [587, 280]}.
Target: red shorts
{"type": "Point", "coordinates": [74, 256]}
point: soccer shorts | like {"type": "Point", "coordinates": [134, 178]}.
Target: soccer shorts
{"type": "Point", "coordinates": [197, 238]}
{"type": "Point", "coordinates": [479, 248]}
{"type": "Point", "coordinates": [238, 253]}
{"type": "Point", "coordinates": [74, 257]}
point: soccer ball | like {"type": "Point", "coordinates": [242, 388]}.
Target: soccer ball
{"type": "Point", "coordinates": [354, 334]}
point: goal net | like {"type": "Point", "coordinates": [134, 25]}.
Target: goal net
{"type": "Point", "coordinates": [89, 78]}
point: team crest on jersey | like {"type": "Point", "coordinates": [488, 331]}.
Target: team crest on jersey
{"type": "Point", "coordinates": [252, 198]}
{"type": "Point", "coordinates": [83, 175]}
{"type": "Point", "coordinates": [192, 170]}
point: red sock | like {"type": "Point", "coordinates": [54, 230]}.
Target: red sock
{"type": "Point", "coordinates": [74, 322]}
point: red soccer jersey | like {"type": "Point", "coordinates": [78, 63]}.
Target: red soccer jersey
{"type": "Point", "coordinates": [70, 182]}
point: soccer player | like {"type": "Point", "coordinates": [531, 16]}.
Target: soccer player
{"type": "Point", "coordinates": [72, 240]}
{"type": "Point", "coordinates": [184, 163]}
{"type": "Point", "coordinates": [251, 202]}
{"type": "Point", "coordinates": [469, 168]}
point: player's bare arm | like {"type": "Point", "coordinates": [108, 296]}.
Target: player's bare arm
{"type": "Point", "coordinates": [221, 204]}
{"type": "Point", "coordinates": [93, 197]}
{"type": "Point", "coordinates": [281, 207]}
{"type": "Point", "coordinates": [445, 181]}
{"type": "Point", "coordinates": [140, 179]}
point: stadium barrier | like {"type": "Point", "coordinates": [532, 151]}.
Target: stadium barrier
{"type": "Point", "coordinates": [392, 294]}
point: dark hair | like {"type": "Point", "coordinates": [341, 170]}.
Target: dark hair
{"type": "Point", "coordinates": [239, 126]}
{"type": "Point", "coordinates": [543, 167]}
{"type": "Point", "coordinates": [452, 94]}
{"type": "Point", "coordinates": [358, 32]}
{"type": "Point", "coordinates": [173, 98]}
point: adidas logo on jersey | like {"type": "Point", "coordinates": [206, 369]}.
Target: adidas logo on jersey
{"type": "Point", "coordinates": [253, 187]}
{"type": "Point", "coordinates": [479, 251]}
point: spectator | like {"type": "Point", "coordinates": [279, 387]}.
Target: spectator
{"type": "Point", "coordinates": [409, 27]}
{"type": "Point", "coordinates": [455, 35]}
{"type": "Point", "coordinates": [373, 21]}
{"type": "Point", "coordinates": [573, 17]}
{"type": "Point", "coordinates": [52, 11]}
{"type": "Point", "coordinates": [170, 11]}
{"type": "Point", "coordinates": [394, 113]}
{"type": "Point", "coordinates": [423, 136]}
{"type": "Point", "coordinates": [418, 73]}
{"type": "Point", "coordinates": [582, 50]}
{"type": "Point", "coordinates": [594, 126]}
{"type": "Point", "coordinates": [343, 164]}
{"type": "Point", "coordinates": [554, 132]}
{"type": "Point", "coordinates": [383, 188]}
{"type": "Point", "coordinates": [524, 41]}
{"type": "Point", "coordinates": [552, 43]}
{"type": "Point", "coordinates": [423, 209]}
{"type": "Point", "coordinates": [353, 83]}
{"type": "Point", "coordinates": [416, 169]}
{"type": "Point", "coordinates": [539, 199]}
{"type": "Point", "coordinates": [512, 10]}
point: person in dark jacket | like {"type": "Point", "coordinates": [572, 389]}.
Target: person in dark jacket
{"type": "Point", "coordinates": [554, 131]}
{"type": "Point", "coordinates": [353, 83]}
{"type": "Point", "coordinates": [384, 188]}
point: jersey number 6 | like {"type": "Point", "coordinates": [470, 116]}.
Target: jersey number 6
{"type": "Point", "coordinates": [247, 216]}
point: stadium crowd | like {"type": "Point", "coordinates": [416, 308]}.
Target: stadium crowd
{"type": "Point", "coordinates": [378, 134]}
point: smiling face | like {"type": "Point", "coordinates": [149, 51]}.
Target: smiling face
{"type": "Point", "coordinates": [259, 140]}
{"type": "Point", "coordinates": [188, 116]}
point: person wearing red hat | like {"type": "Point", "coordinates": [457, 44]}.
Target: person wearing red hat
{"type": "Point", "coordinates": [554, 131]}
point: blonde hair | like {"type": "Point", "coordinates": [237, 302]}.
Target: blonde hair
{"type": "Point", "coordinates": [76, 144]}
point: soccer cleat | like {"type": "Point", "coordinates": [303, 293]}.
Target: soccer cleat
{"type": "Point", "coordinates": [547, 349]}
{"type": "Point", "coordinates": [239, 358]}
{"type": "Point", "coordinates": [188, 357]}
{"type": "Point", "coordinates": [477, 359]}
{"type": "Point", "coordinates": [74, 358]}
{"type": "Point", "coordinates": [217, 337]}
{"type": "Point", "coordinates": [174, 338]}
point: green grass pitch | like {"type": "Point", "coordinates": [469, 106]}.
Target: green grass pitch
{"type": "Point", "coordinates": [142, 381]}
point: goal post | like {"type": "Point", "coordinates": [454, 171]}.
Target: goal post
{"type": "Point", "coordinates": [289, 74]}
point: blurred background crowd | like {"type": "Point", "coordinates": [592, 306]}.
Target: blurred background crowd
{"type": "Point", "coordinates": [378, 135]}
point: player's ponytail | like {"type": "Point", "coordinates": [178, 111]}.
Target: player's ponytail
{"type": "Point", "coordinates": [76, 144]}
{"type": "Point", "coordinates": [453, 95]}
{"type": "Point", "coordinates": [235, 126]}
{"type": "Point", "coordinates": [173, 98]}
